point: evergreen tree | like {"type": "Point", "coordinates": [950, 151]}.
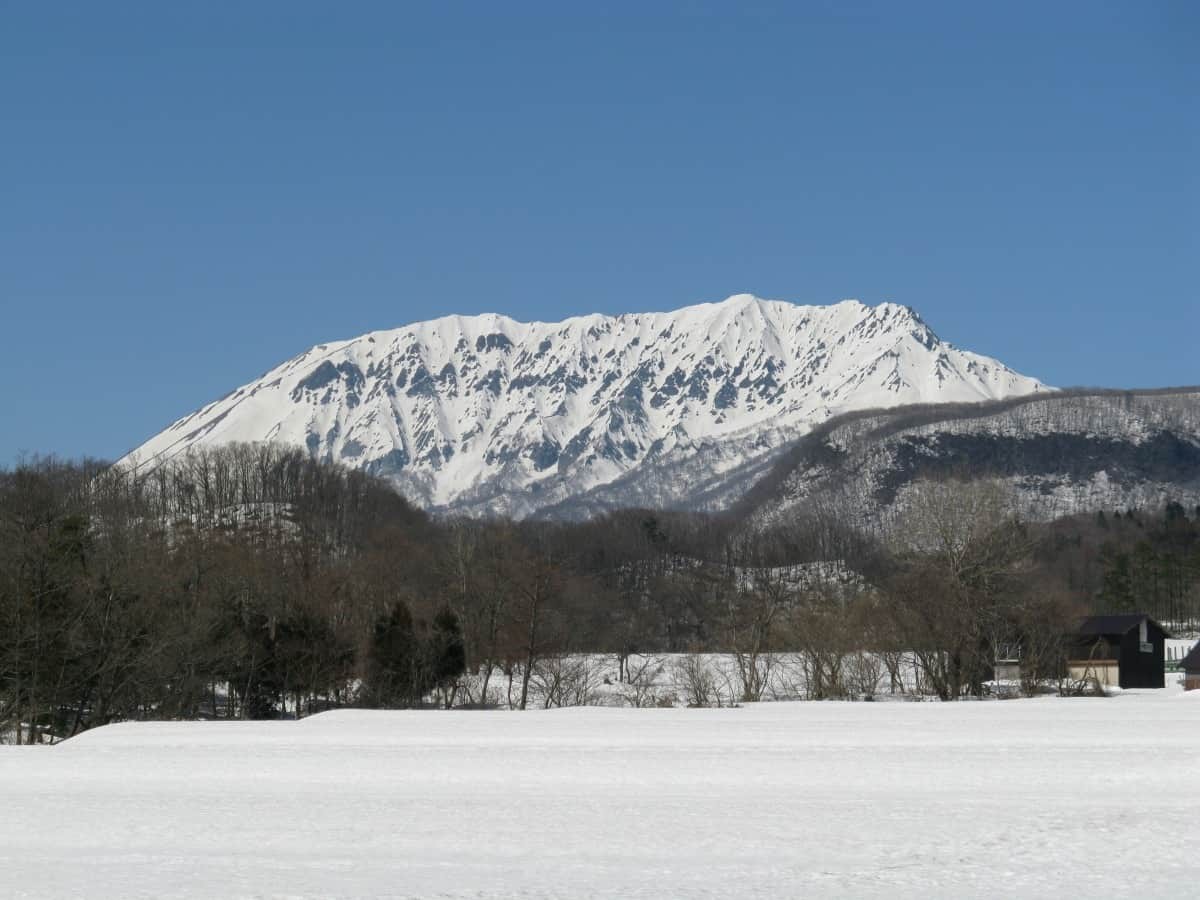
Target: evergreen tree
{"type": "Point", "coordinates": [446, 652]}
{"type": "Point", "coordinates": [394, 661]}
{"type": "Point", "coordinates": [1116, 595]}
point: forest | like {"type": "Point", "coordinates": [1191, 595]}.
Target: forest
{"type": "Point", "coordinates": [253, 582]}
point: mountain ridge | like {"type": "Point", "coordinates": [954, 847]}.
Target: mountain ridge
{"type": "Point", "coordinates": [486, 414]}
{"type": "Point", "coordinates": [1062, 453]}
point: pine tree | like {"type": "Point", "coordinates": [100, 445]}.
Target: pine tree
{"type": "Point", "coordinates": [445, 651]}
{"type": "Point", "coordinates": [394, 661]}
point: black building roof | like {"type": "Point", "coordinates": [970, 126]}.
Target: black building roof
{"type": "Point", "coordinates": [1192, 660]}
{"type": "Point", "coordinates": [1115, 625]}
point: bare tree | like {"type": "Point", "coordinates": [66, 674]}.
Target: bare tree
{"type": "Point", "coordinates": [694, 677]}
{"type": "Point", "coordinates": [641, 687]}
{"type": "Point", "coordinates": [962, 552]}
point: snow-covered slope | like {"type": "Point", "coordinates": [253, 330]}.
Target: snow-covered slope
{"type": "Point", "coordinates": [486, 414]}
{"type": "Point", "coordinates": [1060, 454]}
{"type": "Point", "coordinates": [877, 801]}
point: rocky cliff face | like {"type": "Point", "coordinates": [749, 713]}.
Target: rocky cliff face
{"type": "Point", "coordinates": [687, 408]}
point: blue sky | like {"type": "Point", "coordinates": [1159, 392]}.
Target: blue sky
{"type": "Point", "coordinates": [191, 193]}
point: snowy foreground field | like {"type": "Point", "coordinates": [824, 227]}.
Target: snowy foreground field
{"type": "Point", "coordinates": [1023, 798]}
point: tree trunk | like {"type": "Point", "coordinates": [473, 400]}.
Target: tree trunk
{"type": "Point", "coordinates": [525, 680]}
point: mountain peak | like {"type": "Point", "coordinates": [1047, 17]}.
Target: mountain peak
{"type": "Point", "coordinates": [485, 413]}
{"type": "Point", "coordinates": [740, 300]}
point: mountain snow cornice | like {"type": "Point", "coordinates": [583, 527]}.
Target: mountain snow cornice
{"type": "Point", "coordinates": [486, 414]}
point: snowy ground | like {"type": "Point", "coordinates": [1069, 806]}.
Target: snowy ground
{"type": "Point", "coordinates": [1025, 798]}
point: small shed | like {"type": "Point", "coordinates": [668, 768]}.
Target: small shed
{"type": "Point", "coordinates": [1191, 669]}
{"type": "Point", "coordinates": [1121, 650]}
{"type": "Point", "coordinates": [1007, 666]}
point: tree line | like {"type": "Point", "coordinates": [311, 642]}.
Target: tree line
{"type": "Point", "coordinates": [253, 581]}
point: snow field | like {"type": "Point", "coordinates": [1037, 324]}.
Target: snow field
{"type": "Point", "coordinates": [1028, 798]}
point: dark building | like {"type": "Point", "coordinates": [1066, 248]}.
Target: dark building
{"type": "Point", "coordinates": [1191, 669]}
{"type": "Point", "coordinates": [1124, 651]}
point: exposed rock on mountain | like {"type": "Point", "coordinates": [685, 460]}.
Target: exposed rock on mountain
{"type": "Point", "coordinates": [485, 414]}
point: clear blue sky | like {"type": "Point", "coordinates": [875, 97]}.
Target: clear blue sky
{"type": "Point", "coordinates": [191, 193]}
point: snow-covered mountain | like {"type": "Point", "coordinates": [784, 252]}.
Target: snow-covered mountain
{"type": "Point", "coordinates": [485, 414]}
